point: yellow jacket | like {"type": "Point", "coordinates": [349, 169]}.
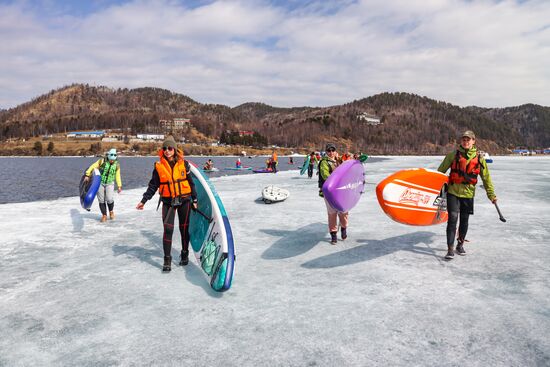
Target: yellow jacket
{"type": "Point", "coordinates": [98, 165]}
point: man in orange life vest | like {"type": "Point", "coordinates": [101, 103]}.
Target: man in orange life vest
{"type": "Point", "coordinates": [177, 193]}
{"type": "Point", "coordinates": [465, 164]}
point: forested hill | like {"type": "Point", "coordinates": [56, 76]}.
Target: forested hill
{"type": "Point", "coordinates": [410, 124]}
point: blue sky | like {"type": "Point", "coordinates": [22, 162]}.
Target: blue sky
{"type": "Point", "coordinates": [283, 53]}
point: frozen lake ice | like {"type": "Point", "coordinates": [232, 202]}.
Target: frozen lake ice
{"type": "Point", "coordinates": [75, 292]}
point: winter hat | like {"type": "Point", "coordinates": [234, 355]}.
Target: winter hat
{"type": "Point", "coordinates": [469, 133]}
{"type": "Point", "coordinates": [169, 142]}
{"type": "Point", "coordinates": [330, 146]}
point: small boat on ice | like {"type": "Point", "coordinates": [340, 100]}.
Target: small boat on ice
{"type": "Point", "coordinates": [487, 157]}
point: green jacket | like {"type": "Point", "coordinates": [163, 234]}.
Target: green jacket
{"type": "Point", "coordinates": [468, 190]}
{"type": "Point", "coordinates": [326, 166]}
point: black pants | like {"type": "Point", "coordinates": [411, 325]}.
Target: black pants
{"type": "Point", "coordinates": [103, 208]}
{"type": "Point", "coordinates": [458, 207]}
{"type": "Point", "coordinates": [310, 170]}
{"type": "Point", "coordinates": [168, 217]}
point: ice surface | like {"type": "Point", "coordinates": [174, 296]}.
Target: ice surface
{"type": "Point", "coordinates": [76, 292]}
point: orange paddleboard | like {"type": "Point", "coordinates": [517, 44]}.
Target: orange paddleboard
{"type": "Point", "coordinates": [415, 197]}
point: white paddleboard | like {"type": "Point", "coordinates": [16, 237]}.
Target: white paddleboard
{"type": "Point", "coordinates": [273, 194]}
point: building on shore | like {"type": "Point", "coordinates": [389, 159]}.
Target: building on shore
{"type": "Point", "coordinates": [368, 118]}
{"type": "Point", "coordinates": [86, 134]}
{"type": "Point", "coordinates": [147, 137]}
{"type": "Point", "coordinates": [175, 125]}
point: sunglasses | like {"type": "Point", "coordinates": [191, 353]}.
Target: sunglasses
{"type": "Point", "coordinates": [167, 148]}
{"type": "Point", "coordinates": [331, 150]}
{"type": "Point", "coordinates": [111, 155]}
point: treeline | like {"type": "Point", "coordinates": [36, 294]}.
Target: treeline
{"type": "Point", "coordinates": [411, 124]}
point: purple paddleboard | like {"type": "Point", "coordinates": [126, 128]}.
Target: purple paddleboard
{"type": "Point", "coordinates": [262, 170]}
{"type": "Point", "coordinates": [344, 186]}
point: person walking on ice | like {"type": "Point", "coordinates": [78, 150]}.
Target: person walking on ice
{"type": "Point", "coordinates": [327, 165]}
{"type": "Point", "coordinates": [109, 167]}
{"type": "Point", "coordinates": [171, 177]}
{"type": "Point", "coordinates": [312, 162]}
{"type": "Point", "coordinates": [465, 164]}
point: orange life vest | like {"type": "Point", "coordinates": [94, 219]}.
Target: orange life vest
{"type": "Point", "coordinates": [173, 181]}
{"type": "Point", "coordinates": [464, 172]}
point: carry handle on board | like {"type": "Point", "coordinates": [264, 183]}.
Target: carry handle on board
{"type": "Point", "coordinates": [204, 215]}
{"type": "Point", "coordinates": [501, 217]}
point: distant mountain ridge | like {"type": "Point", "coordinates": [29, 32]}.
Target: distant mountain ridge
{"type": "Point", "coordinates": [411, 124]}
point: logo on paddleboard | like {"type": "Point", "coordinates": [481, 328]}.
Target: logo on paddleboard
{"type": "Point", "coordinates": [409, 196]}
{"type": "Point", "coordinates": [350, 186]}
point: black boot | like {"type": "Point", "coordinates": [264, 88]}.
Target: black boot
{"type": "Point", "coordinates": [333, 238]}
{"type": "Point", "coordinates": [450, 253]}
{"type": "Point", "coordinates": [167, 264]}
{"type": "Point", "coordinates": [184, 259]}
{"type": "Point", "coordinates": [460, 248]}
{"type": "Point", "coordinates": [343, 233]}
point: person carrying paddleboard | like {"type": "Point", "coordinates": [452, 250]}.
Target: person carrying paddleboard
{"type": "Point", "coordinates": [327, 165]}
{"type": "Point", "coordinates": [274, 161]}
{"type": "Point", "coordinates": [312, 162]}
{"type": "Point", "coordinates": [171, 177]}
{"type": "Point", "coordinates": [465, 164]}
{"type": "Point", "coordinates": [109, 167]}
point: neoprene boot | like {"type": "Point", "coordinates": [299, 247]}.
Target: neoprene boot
{"type": "Point", "coordinates": [184, 259]}
{"type": "Point", "coordinates": [333, 238]}
{"type": "Point", "coordinates": [450, 253]}
{"type": "Point", "coordinates": [167, 264]}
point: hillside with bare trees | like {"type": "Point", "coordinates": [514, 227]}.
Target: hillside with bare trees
{"type": "Point", "coordinates": [409, 124]}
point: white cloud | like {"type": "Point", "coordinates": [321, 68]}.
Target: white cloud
{"type": "Point", "coordinates": [485, 53]}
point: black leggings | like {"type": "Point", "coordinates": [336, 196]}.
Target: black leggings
{"type": "Point", "coordinates": [458, 208]}
{"type": "Point", "coordinates": [103, 208]}
{"type": "Point", "coordinates": [168, 217]}
{"type": "Point", "coordinates": [310, 171]}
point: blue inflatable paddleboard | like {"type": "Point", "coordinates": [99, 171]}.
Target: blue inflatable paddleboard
{"type": "Point", "coordinates": [88, 190]}
{"type": "Point", "coordinates": [210, 232]}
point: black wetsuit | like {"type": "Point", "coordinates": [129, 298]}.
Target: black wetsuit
{"type": "Point", "coordinates": [169, 209]}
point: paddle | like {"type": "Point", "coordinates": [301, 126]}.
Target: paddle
{"type": "Point", "coordinates": [502, 219]}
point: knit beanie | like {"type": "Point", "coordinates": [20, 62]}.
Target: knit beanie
{"type": "Point", "coordinates": [169, 142]}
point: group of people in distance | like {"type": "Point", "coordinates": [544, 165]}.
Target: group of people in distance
{"type": "Point", "coordinates": [171, 178]}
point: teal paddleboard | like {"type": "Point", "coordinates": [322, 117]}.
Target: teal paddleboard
{"type": "Point", "coordinates": [305, 166]}
{"type": "Point", "coordinates": [211, 236]}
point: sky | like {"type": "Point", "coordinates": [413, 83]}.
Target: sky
{"type": "Point", "coordinates": [486, 53]}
